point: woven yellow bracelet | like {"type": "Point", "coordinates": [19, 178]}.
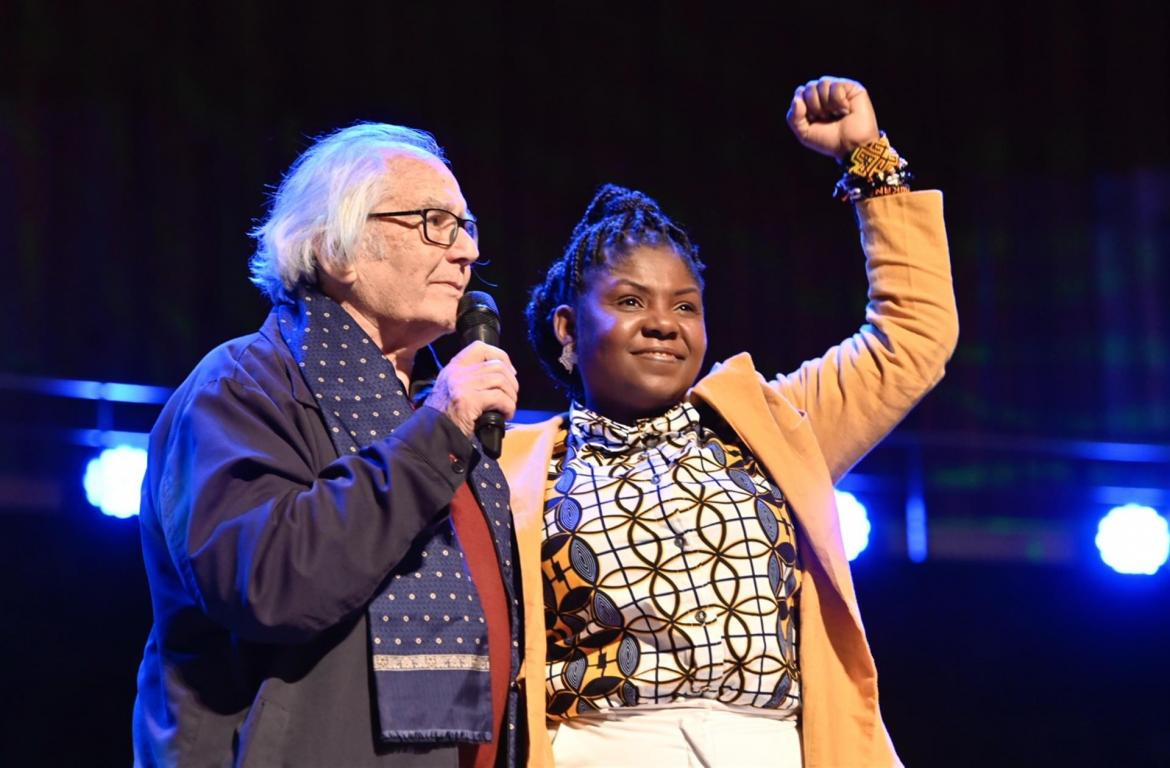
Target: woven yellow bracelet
{"type": "Point", "coordinates": [872, 159]}
{"type": "Point", "coordinates": [872, 170]}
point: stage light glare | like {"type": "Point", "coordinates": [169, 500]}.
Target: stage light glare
{"type": "Point", "coordinates": [855, 526]}
{"type": "Point", "coordinates": [1133, 539]}
{"type": "Point", "coordinates": [113, 480]}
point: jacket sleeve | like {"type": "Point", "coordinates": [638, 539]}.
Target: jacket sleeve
{"type": "Point", "coordinates": [274, 549]}
{"type": "Point", "coordinates": [860, 389]}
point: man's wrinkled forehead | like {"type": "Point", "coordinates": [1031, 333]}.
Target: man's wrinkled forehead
{"type": "Point", "coordinates": [418, 178]}
{"type": "Point", "coordinates": [405, 154]}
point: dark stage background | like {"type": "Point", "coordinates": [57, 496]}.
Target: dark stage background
{"type": "Point", "coordinates": [137, 140]}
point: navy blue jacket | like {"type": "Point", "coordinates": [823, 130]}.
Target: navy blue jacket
{"type": "Point", "coordinates": [263, 548]}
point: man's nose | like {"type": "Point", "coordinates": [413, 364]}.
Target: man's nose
{"type": "Point", "coordinates": [465, 249]}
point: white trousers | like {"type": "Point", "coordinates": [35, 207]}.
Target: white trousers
{"type": "Point", "coordinates": [698, 733]}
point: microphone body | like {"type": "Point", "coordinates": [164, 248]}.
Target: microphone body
{"type": "Point", "coordinates": [479, 320]}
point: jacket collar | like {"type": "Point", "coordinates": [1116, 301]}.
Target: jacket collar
{"type": "Point", "coordinates": [779, 435]}
{"type": "Point", "coordinates": [300, 390]}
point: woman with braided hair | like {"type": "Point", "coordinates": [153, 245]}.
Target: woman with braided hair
{"type": "Point", "coordinates": [688, 599]}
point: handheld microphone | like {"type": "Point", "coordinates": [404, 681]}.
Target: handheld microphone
{"type": "Point", "coordinates": [479, 320]}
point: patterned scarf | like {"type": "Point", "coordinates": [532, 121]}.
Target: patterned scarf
{"type": "Point", "coordinates": [428, 634]}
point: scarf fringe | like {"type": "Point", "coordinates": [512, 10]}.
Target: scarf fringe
{"type": "Point", "coordinates": [434, 736]}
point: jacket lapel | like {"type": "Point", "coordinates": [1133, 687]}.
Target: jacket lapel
{"type": "Point", "coordinates": [525, 459]}
{"type": "Point", "coordinates": [779, 435]}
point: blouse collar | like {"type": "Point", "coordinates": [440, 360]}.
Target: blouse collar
{"type": "Point", "coordinates": [590, 429]}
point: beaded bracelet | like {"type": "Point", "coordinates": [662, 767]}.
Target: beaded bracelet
{"type": "Point", "coordinates": [873, 170]}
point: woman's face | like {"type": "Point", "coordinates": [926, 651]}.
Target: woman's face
{"type": "Point", "coordinates": [639, 332]}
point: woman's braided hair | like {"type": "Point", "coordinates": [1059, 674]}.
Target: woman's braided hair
{"type": "Point", "coordinates": [617, 221]}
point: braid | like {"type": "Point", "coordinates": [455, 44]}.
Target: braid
{"type": "Point", "coordinates": [616, 221]}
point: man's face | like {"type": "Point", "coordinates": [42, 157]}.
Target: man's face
{"type": "Point", "coordinates": [406, 287]}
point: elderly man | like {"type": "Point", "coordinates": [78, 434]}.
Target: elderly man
{"type": "Point", "coordinates": [332, 569]}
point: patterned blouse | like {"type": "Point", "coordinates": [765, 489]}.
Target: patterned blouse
{"type": "Point", "coordinates": [670, 570]}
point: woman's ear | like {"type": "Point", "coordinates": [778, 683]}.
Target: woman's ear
{"type": "Point", "coordinates": [565, 324]}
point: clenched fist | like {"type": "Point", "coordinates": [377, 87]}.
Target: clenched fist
{"type": "Point", "coordinates": [480, 378]}
{"type": "Point", "coordinates": [832, 116]}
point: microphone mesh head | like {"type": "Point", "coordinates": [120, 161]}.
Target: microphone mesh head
{"type": "Point", "coordinates": [477, 301]}
{"type": "Point", "coordinates": [477, 308]}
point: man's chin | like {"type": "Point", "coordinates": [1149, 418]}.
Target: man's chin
{"type": "Point", "coordinates": [443, 325]}
{"type": "Point", "coordinates": [427, 330]}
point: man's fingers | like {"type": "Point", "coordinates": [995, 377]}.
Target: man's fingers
{"type": "Point", "coordinates": [498, 381]}
{"type": "Point", "coordinates": [498, 394]}
{"type": "Point", "coordinates": [477, 353]}
{"type": "Point", "coordinates": [495, 355]}
{"type": "Point", "coordinates": [503, 363]}
{"type": "Point", "coordinates": [479, 378]}
{"type": "Point", "coordinates": [502, 403]}
{"type": "Point", "coordinates": [491, 376]}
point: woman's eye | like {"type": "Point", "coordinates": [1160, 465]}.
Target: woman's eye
{"type": "Point", "coordinates": [628, 301]}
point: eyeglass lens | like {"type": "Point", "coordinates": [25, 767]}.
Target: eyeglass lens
{"type": "Point", "coordinates": [442, 227]}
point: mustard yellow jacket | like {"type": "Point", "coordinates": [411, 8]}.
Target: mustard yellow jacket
{"type": "Point", "coordinates": [807, 428]}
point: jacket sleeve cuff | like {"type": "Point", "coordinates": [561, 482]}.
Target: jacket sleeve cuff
{"type": "Point", "coordinates": [434, 437]}
{"type": "Point", "coordinates": [919, 202]}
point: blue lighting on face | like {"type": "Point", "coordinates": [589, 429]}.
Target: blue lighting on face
{"type": "Point", "coordinates": [1133, 539]}
{"type": "Point", "coordinates": [855, 526]}
{"type": "Point", "coordinates": [113, 481]}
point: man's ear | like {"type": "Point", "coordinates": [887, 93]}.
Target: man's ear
{"type": "Point", "coordinates": [342, 275]}
{"type": "Point", "coordinates": [565, 324]}
{"type": "Point", "coordinates": [336, 279]}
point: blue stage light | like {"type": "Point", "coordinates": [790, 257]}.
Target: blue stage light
{"type": "Point", "coordinates": [855, 525]}
{"type": "Point", "coordinates": [113, 481]}
{"type": "Point", "coordinates": [1133, 539]}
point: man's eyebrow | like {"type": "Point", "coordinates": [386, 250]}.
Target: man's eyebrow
{"type": "Point", "coordinates": [446, 205]}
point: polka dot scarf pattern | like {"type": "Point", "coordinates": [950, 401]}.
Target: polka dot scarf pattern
{"type": "Point", "coordinates": [428, 635]}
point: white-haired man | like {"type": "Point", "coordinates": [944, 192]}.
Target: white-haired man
{"type": "Point", "coordinates": [331, 568]}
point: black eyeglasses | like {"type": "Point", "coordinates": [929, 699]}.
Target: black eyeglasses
{"type": "Point", "coordinates": [439, 227]}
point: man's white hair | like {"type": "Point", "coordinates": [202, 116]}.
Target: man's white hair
{"type": "Point", "coordinates": [319, 210]}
